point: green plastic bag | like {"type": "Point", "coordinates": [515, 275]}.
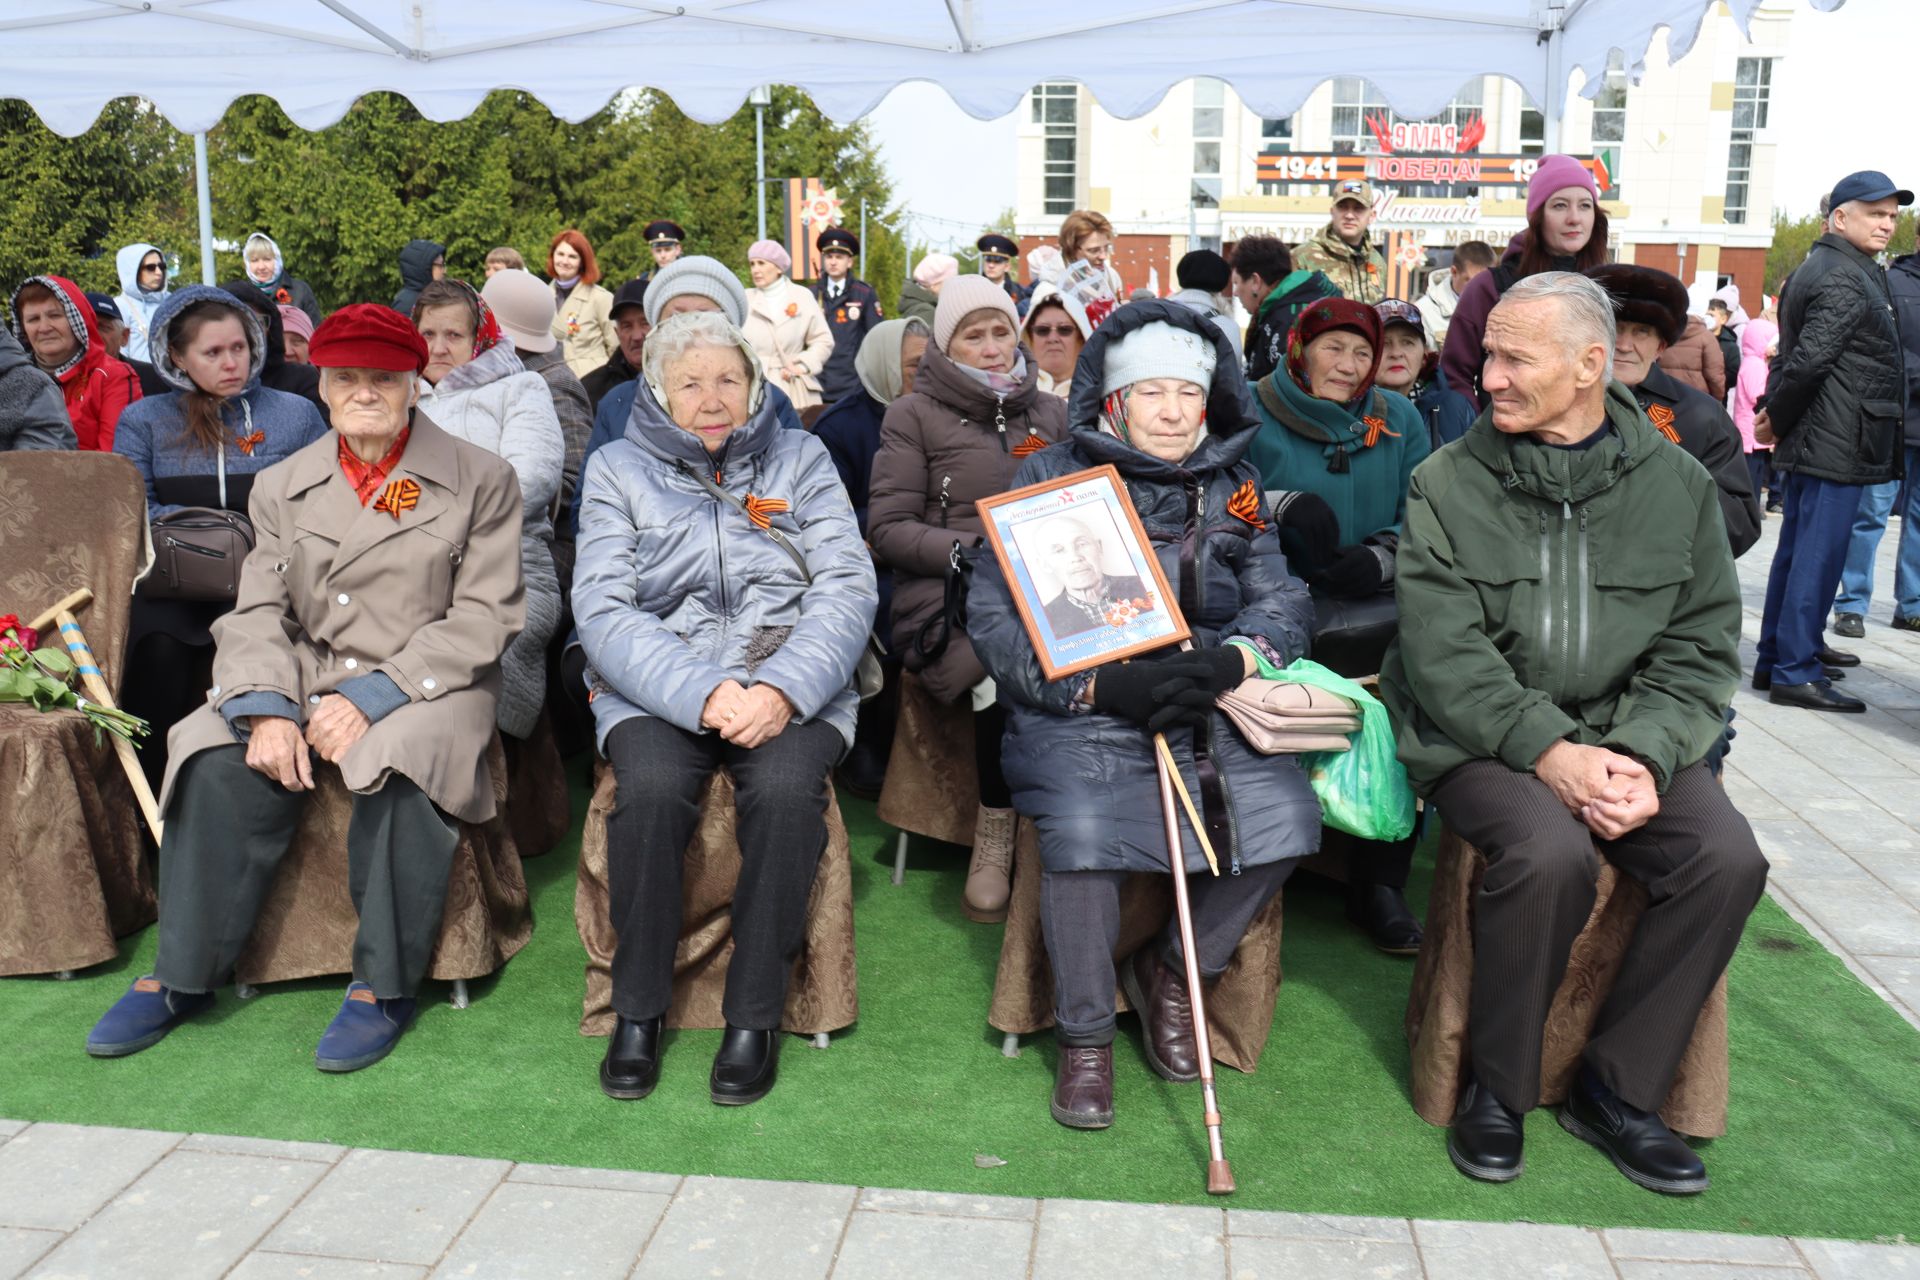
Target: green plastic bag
{"type": "Point", "coordinates": [1363, 790]}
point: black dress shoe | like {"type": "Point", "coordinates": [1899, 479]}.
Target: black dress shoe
{"type": "Point", "coordinates": [632, 1065]}
{"type": "Point", "coordinates": [1486, 1139]}
{"type": "Point", "coordinates": [1815, 695]}
{"type": "Point", "coordinates": [1638, 1142]}
{"type": "Point", "coordinates": [1851, 625]}
{"type": "Point", "coordinates": [1837, 657]}
{"type": "Point", "coordinates": [1763, 680]}
{"type": "Point", "coordinates": [744, 1069]}
{"type": "Point", "coordinates": [1383, 912]}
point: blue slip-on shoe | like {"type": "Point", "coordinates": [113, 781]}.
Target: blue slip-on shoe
{"type": "Point", "coordinates": [364, 1031]}
{"type": "Point", "coordinates": [142, 1017]}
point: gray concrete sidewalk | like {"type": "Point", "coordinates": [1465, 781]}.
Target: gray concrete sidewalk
{"type": "Point", "coordinates": [1836, 803]}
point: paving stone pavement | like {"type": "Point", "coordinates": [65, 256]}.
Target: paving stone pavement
{"type": "Point", "coordinates": [1835, 801]}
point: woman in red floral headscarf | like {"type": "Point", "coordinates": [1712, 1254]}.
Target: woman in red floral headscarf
{"type": "Point", "coordinates": [475, 389]}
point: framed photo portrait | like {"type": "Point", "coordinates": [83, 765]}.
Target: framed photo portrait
{"type": "Point", "coordinates": [1083, 574]}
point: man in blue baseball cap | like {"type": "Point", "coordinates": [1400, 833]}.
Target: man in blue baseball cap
{"type": "Point", "coordinates": [1833, 411]}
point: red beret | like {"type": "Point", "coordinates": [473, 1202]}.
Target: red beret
{"type": "Point", "coordinates": [367, 335]}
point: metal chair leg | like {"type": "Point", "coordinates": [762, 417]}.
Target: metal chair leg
{"type": "Point", "coordinates": [459, 997]}
{"type": "Point", "coordinates": [900, 859]}
{"type": "Point", "coordinates": [245, 990]}
{"type": "Point", "coordinates": [821, 1040]}
{"type": "Point", "coordinates": [1010, 1045]}
{"type": "Point", "coordinates": [66, 975]}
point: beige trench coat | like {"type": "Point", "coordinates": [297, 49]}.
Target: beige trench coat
{"type": "Point", "coordinates": [786, 326]}
{"type": "Point", "coordinates": [334, 590]}
{"type": "Point", "coordinates": [584, 325]}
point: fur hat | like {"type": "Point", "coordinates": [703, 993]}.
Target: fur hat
{"type": "Point", "coordinates": [1642, 295]}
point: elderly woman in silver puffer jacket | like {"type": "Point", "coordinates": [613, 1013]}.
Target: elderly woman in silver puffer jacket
{"type": "Point", "coordinates": [709, 643]}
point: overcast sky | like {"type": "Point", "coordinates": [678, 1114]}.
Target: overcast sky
{"type": "Point", "coordinates": [1829, 116]}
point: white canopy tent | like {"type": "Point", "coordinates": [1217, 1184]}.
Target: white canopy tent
{"type": "Point", "coordinates": [191, 58]}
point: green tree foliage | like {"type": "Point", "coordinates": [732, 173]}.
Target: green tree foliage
{"type": "Point", "coordinates": [342, 201]}
{"type": "Point", "coordinates": [1792, 237]}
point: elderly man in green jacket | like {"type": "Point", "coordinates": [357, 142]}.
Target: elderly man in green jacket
{"type": "Point", "coordinates": [1569, 625]}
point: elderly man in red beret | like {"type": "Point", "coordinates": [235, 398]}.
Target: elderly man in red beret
{"type": "Point", "coordinates": [383, 588]}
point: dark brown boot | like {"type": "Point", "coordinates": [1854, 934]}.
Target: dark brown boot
{"type": "Point", "coordinates": [1159, 996]}
{"type": "Point", "coordinates": [1083, 1087]}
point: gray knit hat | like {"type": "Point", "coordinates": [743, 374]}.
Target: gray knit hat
{"type": "Point", "coordinates": [707, 277]}
{"type": "Point", "coordinates": [1158, 350]}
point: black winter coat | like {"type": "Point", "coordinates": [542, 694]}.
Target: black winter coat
{"type": "Point", "coordinates": [1836, 396]}
{"type": "Point", "coordinates": [608, 376]}
{"type": "Point", "coordinates": [849, 317]}
{"type": "Point", "coordinates": [1903, 281]}
{"type": "Point", "coordinates": [1691, 419]}
{"type": "Point", "coordinates": [1087, 780]}
{"type": "Point", "coordinates": [416, 272]}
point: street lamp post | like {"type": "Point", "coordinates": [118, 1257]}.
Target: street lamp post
{"type": "Point", "coordinates": [761, 97]}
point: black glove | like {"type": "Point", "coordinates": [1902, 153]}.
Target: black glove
{"type": "Point", "coordinates": [1154, 694]}
{"type": "Point", "coordinates": [1309, 531]}
{"type": "Point", "coordinates": [1356, 571]}
{"type": "Point", "coordinates": [1226, 667]}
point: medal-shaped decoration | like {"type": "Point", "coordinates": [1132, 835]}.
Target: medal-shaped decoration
{"type": "Point", "coordinates": [399, 495]}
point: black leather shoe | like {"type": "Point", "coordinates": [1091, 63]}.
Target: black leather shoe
{"type": "Point", "coordinates": [1159, 995]}
{"type": "Point", "coordinates": [632, 1065]}
{"type": "Point", "coordinates": [1763, 680]}
{"type": "Point", "coordinates": [1851, 625]}
{"type": "Point", "coordinates": [1486, 1141]}
{"type": "Point", "coordinates": [1383, 912]}
{"type": "Point", "coordinates": [1638, 1142]}
{"type": "Point", "coordinates": [1815, 695]}
{"type": "Point", "coordinates": [1837, 657]}
{"type": "Point", "coordinates": [744, 1069]}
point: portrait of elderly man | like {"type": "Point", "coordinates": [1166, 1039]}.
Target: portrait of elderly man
{"type": "Point", "coordinates": [373, 610]}
{"type": "Point", "coordinates": [1569, 623]}
{"type": "Point", "coordinates": [1072, 552]}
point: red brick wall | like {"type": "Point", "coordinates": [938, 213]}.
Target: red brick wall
{"type": "Point", "coordinates": [1746, 266]}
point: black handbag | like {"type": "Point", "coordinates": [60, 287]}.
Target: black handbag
{"type": "Point", "coordinates": [867, 675]}
{"type": "Point", "coordinates": [198, 551]}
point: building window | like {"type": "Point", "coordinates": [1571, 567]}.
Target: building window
{"type": "Point", "coordinates": [1056, 109]}
{"type": "Point", "coordinates": [1354, 100]}
{"type": "Point", "coordinates": [1209, 122]}
{"type": "Point", "coordinates": [1610, 105]}
{"type": "Point", "coordinates": [1276, 135]}
{"type": "Point", "coordinates": [1752, 85]}
{"type": "Point", "coordinates": [1533, 127]}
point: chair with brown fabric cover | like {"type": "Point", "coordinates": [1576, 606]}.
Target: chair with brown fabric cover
{"type": "Point", "coordinates": [1239, 1004]}
{"type": "Point", "coordinates": [74, 875]}
{"type": "Point", "coordinates": [932, 788]}
{"type": "Point", "coordinates": [1436, 1021]}
{"type": "Point", "coordinates": [306, 928]}
{"type": "Point", "coordinates": [539, 806]}
{"type": "Point", "coordinates": [824, 993]}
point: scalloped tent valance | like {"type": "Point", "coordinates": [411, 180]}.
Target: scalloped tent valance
{"type": "Point", "coordinates": [192, 58]}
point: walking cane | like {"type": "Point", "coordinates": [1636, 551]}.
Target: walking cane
{"type": "Point", "coordinates": [1219, 1174]}
{"type": "Point", "coordinates": [89, 669]}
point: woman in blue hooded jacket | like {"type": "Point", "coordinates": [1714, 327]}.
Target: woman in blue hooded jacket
{"type": "Point", "coordinates": [200, 445]}
{"type": "Point", "coordinates": [1159, 395]}
{"type": "Point", "coordinates": [143, 287]}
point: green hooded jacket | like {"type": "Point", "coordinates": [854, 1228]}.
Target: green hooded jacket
{"type": "Point", "coordinates": [1547, 594]}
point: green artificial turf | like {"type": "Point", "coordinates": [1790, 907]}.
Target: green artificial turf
{"type": "Point", "coordinates": [1825, 1124]}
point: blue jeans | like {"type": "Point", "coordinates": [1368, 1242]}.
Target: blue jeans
{"type": "Point", "coordinates": [1877, 502]}
{"type": "Point", "coordinates": [1814, 530]}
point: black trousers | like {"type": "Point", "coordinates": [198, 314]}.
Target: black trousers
{"type": "Point", "coordinates": [1080, 919]}
{"type": "Point", "coordinates": [989, 728]}
{"type": "Point", "coordinates": [1703, 873]}
{"type": "Point", "coordinates": [227, 830]}
{"type": "Point", "coordinates": [780, 803]}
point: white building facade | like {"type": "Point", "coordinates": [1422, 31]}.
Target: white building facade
{"type": "Point", "coordinates": [1686, 153]}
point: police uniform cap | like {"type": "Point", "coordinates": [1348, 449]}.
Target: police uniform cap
{"type": "Point", "coordinates": [996, 243]}
{"type": "Point", "coordinates": [838, 238]}
{"type": "Point", "coordinates": [664, 231]}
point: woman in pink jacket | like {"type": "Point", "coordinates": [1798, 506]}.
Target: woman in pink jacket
{"type": "Point", "coordinates": [1756, 347]}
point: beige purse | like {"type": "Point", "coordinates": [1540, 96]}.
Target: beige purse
{"type": "Point", "coordinates": [1280, 718]}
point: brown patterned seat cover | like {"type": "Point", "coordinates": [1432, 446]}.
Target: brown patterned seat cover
{"type": "Point", "coordinates": [74, 876]}
{"type": "Point", "coordinates": [539, 805]}
{"type": "Point", "coordinates": [1442, 978]}
{"type": "Point", "coordinates": [932, 788]}
{"type": "Point", "coordinates": [824, 993]}
{"type": "Point", "coordinates": [306, 927]}
{"type": "Point", "coordinates": [1239, 1005]}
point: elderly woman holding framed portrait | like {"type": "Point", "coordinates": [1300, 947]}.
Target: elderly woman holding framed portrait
{"type": "Point", "coordinates": [1159, 396]}
{"type": "Point", "coordinates": [381, 592]}
{"type": "Point", "coordinates": [724, 596]}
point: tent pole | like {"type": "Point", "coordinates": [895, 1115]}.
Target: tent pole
{"type": "Point", "coordinates": [760, 156]}
{"type": "Point", "coordinates": [205, 198]}
{"type": "Point", "coordinates": [863, 239]}
{"type": "Point", "coordinates": [1556, 104]}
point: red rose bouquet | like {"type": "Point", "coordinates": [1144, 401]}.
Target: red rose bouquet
{"type": "Point", "coordinates": [44, 679]}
